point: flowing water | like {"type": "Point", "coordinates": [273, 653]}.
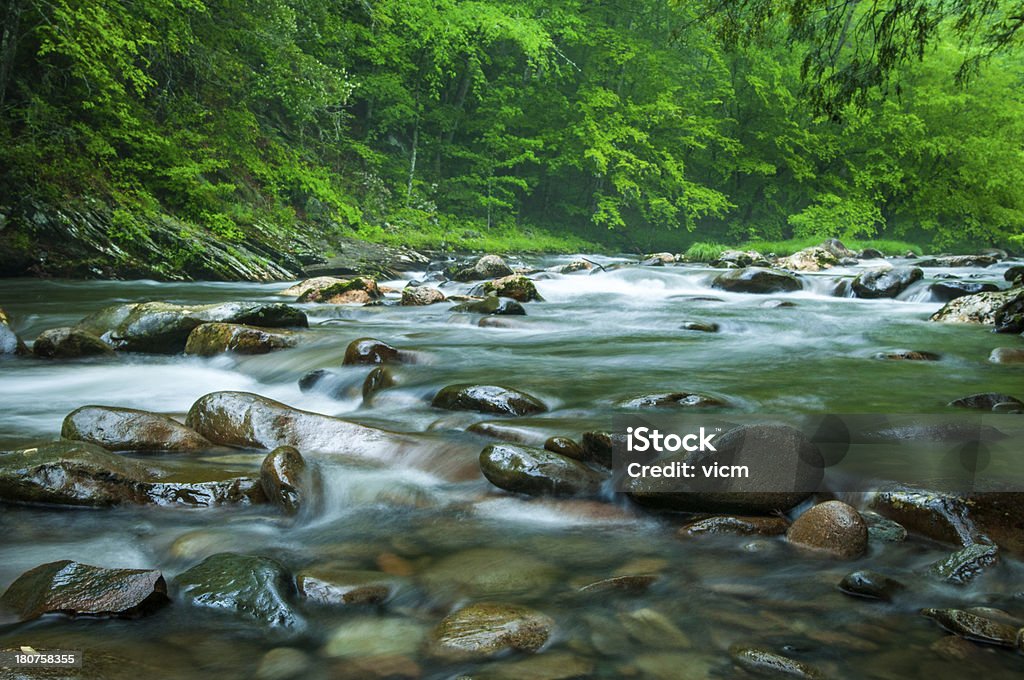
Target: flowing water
{"type": "Point", "coordinates": [599, 338]}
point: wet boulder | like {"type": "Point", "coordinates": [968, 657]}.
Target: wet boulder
{"type": "Point", "coordinates": [329, 585]}
{"type": "Point", "coordinates": [86, 475]}
{"type": "Point", "coordinates": [489, 572]}
{"type": "Point", "coordinates": [1010, 317]}
{"type": "Point", "coordinates": [907, 355]}
{"type": "Point", "coordinates": [360, 290]}
{"type": "Point", "coordinates": [700, 326]}
{"type": "Point", "coordinates": [734, 525]}
{"type": "Point", "coordinates": [252, 421]}
{"type": "Point", "coordinates": [598, 447]}
{"type": "Point", "coordinates": [163, 328]}
{"type": "Point", "coordinates": [1007, 355]}
{"type": "Point", "coordinates": [809, 260]}
{"type": "Point", "coordinates": [950, 290]}
{"type": "Point", "coordinates": [69, 343]}
{"type": "Point", "coordinates": [960, 518]}
{"type": "Point", "coordinates": [487, 399]}
{"type": "Point", "coordinates": [674, 400]}
{"type": "Point", "coordinates": [756, 280]}
{"type": "Point", "coordinates": [211, 339]}
{"type": "Point", "coordinates": [77, 589]}
{"type": "Point", "coordinates": [573, 267]}
{"type": "Point", "coordinates": [870, 585]}
{"type": "Point", "coordinates": [128, 429]}
{"type": "Point", "coordinates": [837, 248]}
{"type": "Point", "coordinates": [370, 351]}
{"type": "Point", "coordinates": [871, 254]}
{"type": "Point", "coordinates": [657, 259]}
{"type": "Point", "coordinates": [738, 259]}
{"type": "Point", "coordinates": [981, 308]}
{"type": "Point", "coordinates": [492, 305]}
{"type": "Point", "coordinates": [958, 261]}
{"type": "Point", "coordinates": [377, 380]}
{"type": "Point", "coordinates": [317, 283]}
{"type": "Point", "coordinates": [1014, 274]}
{"type": "Point", "coordinates": [885, 283]}
{"type": "Point", "coordinates": [285, 478]}
{"type": "Point", "coordinates": [784, 468]}
{"type": "Point", "coordinates": [486, 267]}
{"type": "Point", "coordinates": [831, 528]}
{"type": "Point", "coordinates": [251, 587]}
{"type": "Point", "coordinates": [516, 286]}
{"type": "Point", "coordinates": [537, 472]}
{"type": "Point", "coordinates": [976, 626]}
{"type": "Point", "coordinates": [564, 446]}
{"type": "Point", "coordinates": [987, 401]}
{"type": "Point", "coordinates": [965, 564]}
{"type": "Point", "coordinates": [421, 296]}
{"type": "Point", "coordinates": [10, 343]}
{"type": "Point", "coordinates": [485, 629]}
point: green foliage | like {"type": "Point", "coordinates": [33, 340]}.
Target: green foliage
{"type": "Point", "coordinates": [790, 246]}
{"type": "Point", "coordinates": [704, 252]}
{"type": "Point", "coordinates": [493, 124]}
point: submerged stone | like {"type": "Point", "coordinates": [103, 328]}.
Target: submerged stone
{"type": "Point", "coordinates": [486, 629]}
{"type": "Point", "coordinates": [252, 587]}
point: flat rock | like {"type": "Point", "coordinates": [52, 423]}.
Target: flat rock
{"type": "Point", "coordinates": [252, 587]}
{"type": "Point", "coordinates": [69, 343]}
{"type": "Point", "coordinates": [766, 663]}
{"type": "Point", "coordinates": [537, 472]}
{"type": "Point", "coordinates": [128, 429]}
{"type": "Point", "coordinates": [487, 399]}
{"type": "Point", "coordinates": [756, 280]}
{"type": "Point", "coordinates": [485, 629]}
{"type": "Point", "coordinates": [974, 626]}
{"type": "Point", "coordinates": [980, 308]}
{"type": "Point", "coordinates": [734, 525]}
{"type": "Point", "coordinates": [77, 589]}
{"type": "Point", "coordinates": [330, 585]}
{"type": "Point", "coordinates": [964, 565]}
{"type": "Point", "coordinates": [211, 339]}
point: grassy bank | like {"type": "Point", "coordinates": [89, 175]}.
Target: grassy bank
{"type": "Point", "coordinates": [704, 251]}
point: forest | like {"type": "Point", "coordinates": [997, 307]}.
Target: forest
{"type": "Point", "coordinates": [525, 125]}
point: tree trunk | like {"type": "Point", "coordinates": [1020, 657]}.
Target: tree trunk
{"type": "Point", "coordinates": [412, 163]}
{"type": "Point", "coordinates": [9, 45]}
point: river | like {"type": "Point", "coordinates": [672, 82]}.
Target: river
{"type": "Point", "coordinates": [598, 339]}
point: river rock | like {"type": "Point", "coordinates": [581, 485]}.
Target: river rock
{"type": "Point", "coordinates": [163, 328]}
{"type": "Point", "coordinates": [377, 380]}
{"type": "Point", "coordinates": [83, 474]}
{"type": "Point", "coordinates": [871, 254]}
{"type": "Point", "coordinates": [371, 351]}
{"type": "Point", "coordinates": [657, 259]}
{"type": "Point", "coordinates": [756, 280]}
{"type": "Point", "coordinates": [837, 248]}
{"type": "Point", "coordinates": [974, 626]}
{"type": "Point", "coordinates": [69, 343]}
{"type": "Point", "coordinates": [964, 519]}
{"type": "Point", "coordinates": [536, 472]}
{"type": "Point", "coordinates": [128, 429]}
{"type": "Point", "coordinates": [487, 399]}
{"type": "Point", "coordinates": [1010, 317]}
{"type": "Point", "coordinates": [573, 267]}
{"type": "Point", "coordinates": [516, 286]}
{"type": "Point", "coordinates": [485, 629]}
{"type": "Point", "coordinates": [330, 585]}
{"type": "Point", "coordinates": [1014, 273]}
{"type": "Point", "coordinates": [77, 589]}
{"type": "Point", "coordinates": [907, 355]}
{"type": "Point", "coordinates": [249, 586]}
{"type": "Point", "coordinates": [1007, 355]}
{"type": "Point", "coordinates": [780, 458]}
{"type": "Point", "coordinates": [10, 343]}
{"type": "Point", "coordinates": [210, 339]}
{"type": "Point", "coordinates": [883, 529]}
{"type": "Point", "coordinates": [674, 400]}
{"type": "Point", "coordinates": [833, 528]}
{"type": "Point", "coordinates": [986, 401]}
{"type": "Point", "coordinates": [700, 326]}
{"type": "Point", "coordinates": [375, 641]}
{"type": "Point", "coordinates": [487, 267]}
{"type": "Point", "coordinates": [492, 305]}
{"type": "Point", "coordinates": [285, 478]}
{"type": "Point", "coordinates": [737, 259]}
{"type": "Point", "coordinates": [980, 308]}
{"type": "Point", "coordinates": [630, 583]}
{"type": "Point", "coordinates": [283, 663]}
{"type": "Point", "coordinates": [958, 261]}
{"type": "Point", "coordinates": [734, 525]}
{"type": "Point", "coordinates": [965, 564]}
{"type": "Point", "coordinates": [564, 446]}
{"type": "Point", "coordinates": [870, 585]}
{"type": "Point", "coordinates": [359, 290]}
{"type": "Point", "coordinates": [766, 663]}
{"type": "Point", "coordinates": [421, 296]}
{"type": "Point", "coordinates": [599, 447]}
{"type": "Point", "coordinates": [328, 382]}
{"type": "Point", "coordinates": [809, 260]}
{"type": "Point", "coordinates": [489, 572]}
{"type": "Point", "coordinates": [885, 283]}
{"type": "Point", "coordinates": [545, 666]}
{"type": "Point", "coordinates": [251, 421]}
{"type": "Point", "coordinates": [317, 283]}
{"type": "Point", "coordinates": [951, 290]}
